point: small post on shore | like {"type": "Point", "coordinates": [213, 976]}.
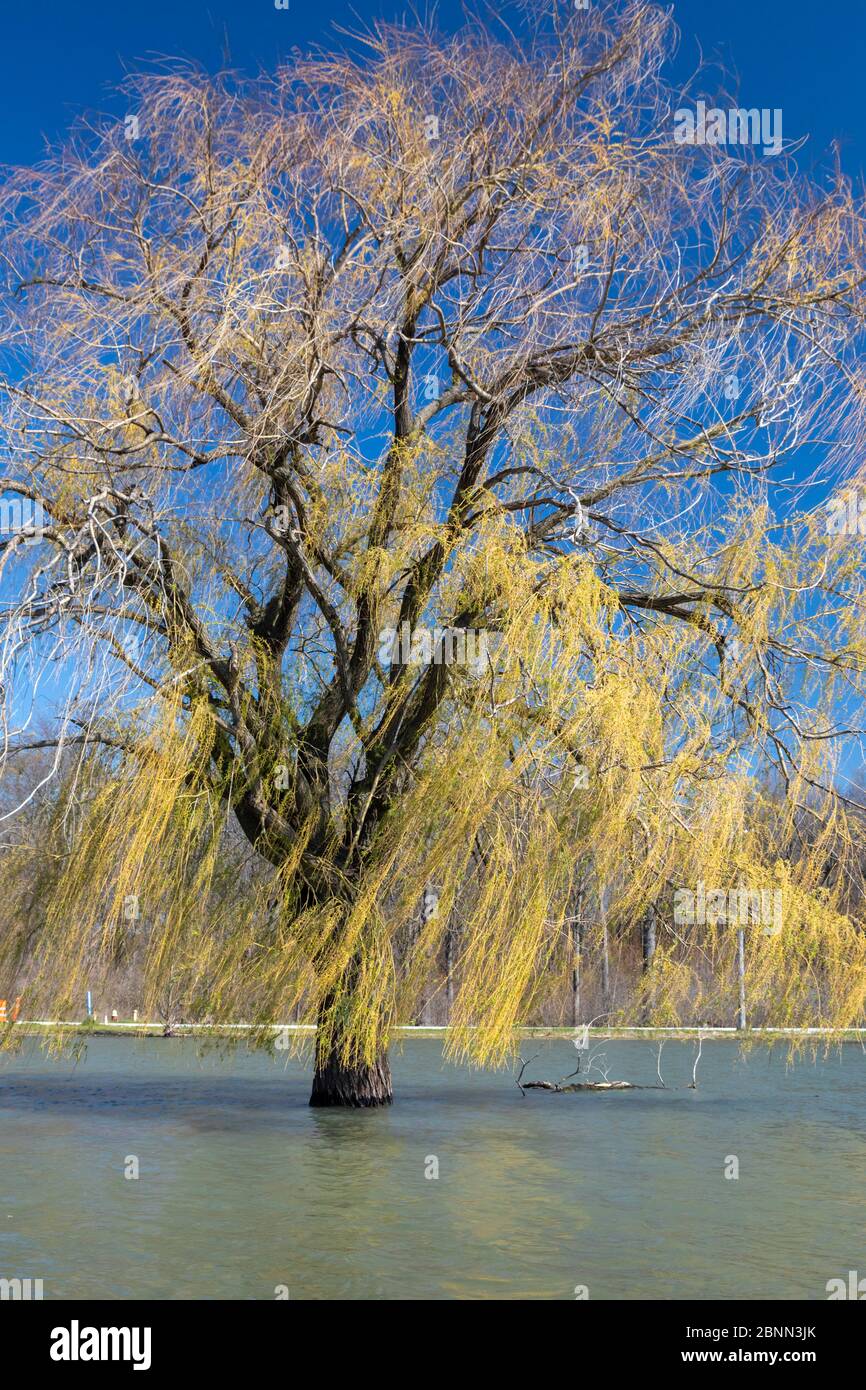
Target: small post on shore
{"type": "Point", "coordinates": [576, 936]}
{"type": "Point", "coordinates": [88, 1004]}
{"type": "Point", "coordinates": [741, 972]}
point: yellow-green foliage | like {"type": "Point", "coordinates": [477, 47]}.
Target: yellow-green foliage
{"type": "Point", "coordinates": [668, 801]}
{"type": "Point", "coordinates": [262, 485]}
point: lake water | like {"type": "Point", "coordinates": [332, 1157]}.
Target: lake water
{"type": "Point", "coordinates": [243, 1188]}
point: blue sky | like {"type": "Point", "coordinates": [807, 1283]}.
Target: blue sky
{"type": "Point", "coordinates": [57, 59]}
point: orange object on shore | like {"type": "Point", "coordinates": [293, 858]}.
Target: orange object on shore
{"type": "Point", "coordinates": [16, 1009]}
{"type": "Point", "coordinates": [3, 1011]}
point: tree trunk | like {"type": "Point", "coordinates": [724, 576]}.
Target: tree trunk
{"type": "Point", "coordinates": [355, 1086]}
{"type": "Point", "coordinates": [741, 976]}
{"type": "Point", "coordinates": [575, 976]}
{"type": "Point", "coordinates": [429, 909]}
{"type": "Point", "coordinates": [576, 945]}
{"type": "Point", "coordinates": [648, 938]}
{"type": "Point", "coordinates": [648, 950]}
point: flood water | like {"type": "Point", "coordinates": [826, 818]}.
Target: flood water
{"type": "Point", "coordinates": [243, 1188]}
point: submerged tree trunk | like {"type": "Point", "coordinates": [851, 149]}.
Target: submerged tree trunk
{"type": "Point", "coordinates": [357, 1087]}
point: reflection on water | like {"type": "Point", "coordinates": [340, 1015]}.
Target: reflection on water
{"type": "Point", "coordinates": [243, 1188]}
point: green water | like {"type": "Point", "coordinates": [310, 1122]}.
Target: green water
{"type": "Point", "coordinates": [243, 1188]}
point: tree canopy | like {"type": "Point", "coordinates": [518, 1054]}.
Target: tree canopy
{"type": "Point", "coordinates": [449, 335]}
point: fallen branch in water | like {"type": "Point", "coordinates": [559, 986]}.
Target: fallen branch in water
{"type": "Point", "coordinates": [597, 1062]}
{"type": "Point", "coordinates": [585, 1086]}
{"type": "Point", "coordinates": [561, 1088]}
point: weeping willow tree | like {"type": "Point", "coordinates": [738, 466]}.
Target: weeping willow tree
{"type": "Point", "coordinates": [420, 458]}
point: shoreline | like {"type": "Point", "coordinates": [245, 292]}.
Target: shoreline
{"type": "Point", "coordinates": [41, 1027]}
